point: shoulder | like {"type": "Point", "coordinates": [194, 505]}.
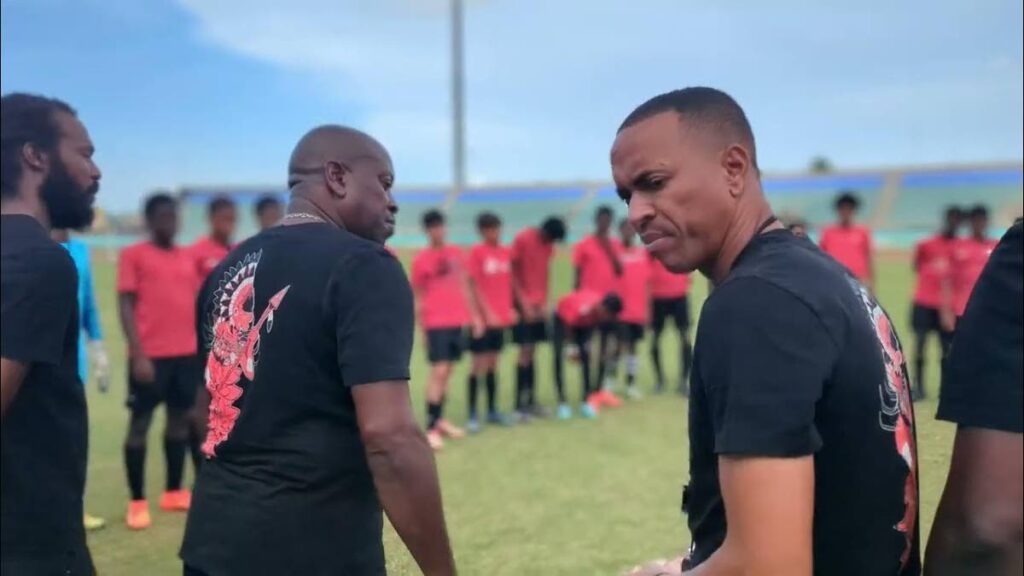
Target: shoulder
{"type": "Point", "coordinates": [44, 263]}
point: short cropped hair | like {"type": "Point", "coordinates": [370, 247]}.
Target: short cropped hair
{"type": "Point", "coordinates": [432, 218]}
{"type": "Point", "coordinates": [220, 203]}
{"type": "Point", "coordinates": [487, 220]}
{"type": "Point", "coordinates": [157, 201]}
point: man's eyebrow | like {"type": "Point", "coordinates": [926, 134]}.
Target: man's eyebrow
{"type": "Point", "coordinates": [639, 179]}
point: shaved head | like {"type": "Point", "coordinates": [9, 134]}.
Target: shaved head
{"type": "Point", "coordinates": [347, 176]}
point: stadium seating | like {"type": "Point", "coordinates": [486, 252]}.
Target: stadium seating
{"type": "Point", "coordinates": [923, 196]}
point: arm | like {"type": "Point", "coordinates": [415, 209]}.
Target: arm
{"type": "Point", "coordinates": [90, 313]}
{"type": "Point", "coordinates": [477, 308]}
{"type": "Point", "coordinates": [870, 248]}
{"type": "Point", "coordinates": [403, 471]}
{"type": "Point", "coordinates": [141, 366]}
{"type": "Point", "coordinates": [374, 328]}
{"type": "Point", "coordinates": [754, 489]}
{"type": "Point", "coordinates": [979, 525]}
{"type": "Point", "coordinates": [12, 374]}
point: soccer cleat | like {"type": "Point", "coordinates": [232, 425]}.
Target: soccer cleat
{"type": "Point", "coordinates": [499, 419]}
{"type": "Point", "coordinates": [449, 430]}
{"type": "Point", "coordinates": [633, 393]}
{"type": "Point", "coordinates": [588, 411]}
{"type": "Point", "coordinates": [92, 523]}
{"type": "Point", "coordinates": [564, 412]}
{"type": "Point", "coordinates": [593, 402]}
{"type": "Point", "coordinates": [176, 501]}
{"type": "Point", "coordinates": [435, 440]}
{"type": "Point", "coordinates": [608, 399]}
{"type": "Point", "coordinates": [473, 426]}
{"type": "Point", "coordinates": [138, 515]}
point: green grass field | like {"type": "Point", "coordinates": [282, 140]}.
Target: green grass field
{"type": "Point", "coordinates": [578, 497]}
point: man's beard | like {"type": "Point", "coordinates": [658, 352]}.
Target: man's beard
{"type": "Point", "coordinates": [68, 205]}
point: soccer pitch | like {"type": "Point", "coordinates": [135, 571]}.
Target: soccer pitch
{"type": "Point", "coordinates": [577, 497]}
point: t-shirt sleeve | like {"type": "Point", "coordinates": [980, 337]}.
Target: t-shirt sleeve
{"type": "Point", "coordinates": [982, 387]}
{"type": "Point", "coordinates": [39, 298]}
{"type": "Point", "coordinates": [766, 359]}
{"type": "Point", "coordinates": [372, 305]}
{"type": "Point", "coordinates": [127, 272]}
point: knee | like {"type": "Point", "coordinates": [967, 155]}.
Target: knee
{"type": "Point", "coordinates": [177, 425]}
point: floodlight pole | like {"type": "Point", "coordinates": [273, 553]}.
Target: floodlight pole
{"type": "Point", "coordinates": [458, 107]}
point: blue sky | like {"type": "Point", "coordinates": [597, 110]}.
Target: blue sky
{"type": "Point", "coordinates": [218, 91]}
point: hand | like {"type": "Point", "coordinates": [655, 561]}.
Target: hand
{"type": "Point", "coordinates": [479, 328]}
{"type": "Point", "coordinates": [539, 313]}
{"type": "Point", "coordinates": [101, 366]}
{"type": "Point", "coordinates": [143, 370]}
{"type": "Point", "coordinates": [947, 319]}
{"type": "Point", "coordinates": [529, 314]}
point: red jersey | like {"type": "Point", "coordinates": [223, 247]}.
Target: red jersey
{"type": "Point", "coordinates": [968, 259]}
{"type": "Point", "coordinates": [932, 263]}
{"type": "Point", "coordinates": [667, 285]}
{"type": "Point", "coordinates": [165, 283]}
{"type": "Point", "coordinates": [438, 282]}
{"type": "Point", "coordinates": [576, 309]}
{"type": "Point", "coordinates": [531, 264]}
{"type": "Point", "coordinates": [635, 285]}
{"type": "Point", "coordinates": [850, 246]}
{"type": "Point", "coordinates": [207, 253]}
{"type": "Point", "coordinates": [490, 267]}
{"type": "Point", "coordinates": [595, 267]}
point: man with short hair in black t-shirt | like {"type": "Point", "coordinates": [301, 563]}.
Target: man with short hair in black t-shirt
{"type": "Point", "coordinates": [306, 332]}
{"type": "Point", "coordinates": [802, 447]}
{"type": "Point", "coordinates": [980, 522]}
{"type": "Point", "coordinates": [49, 180]}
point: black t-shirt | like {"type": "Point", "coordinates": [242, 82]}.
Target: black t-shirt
{"type": "Point", "coordinates": [794, 357]}
{"type": "Point", "coordinates": [983, 385]}
{"type": "Point", "coordinates": [289, 322]}
{"type": "Point", "coordinates": [45, 430]}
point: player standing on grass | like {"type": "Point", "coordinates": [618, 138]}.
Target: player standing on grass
{"type": "Point", "coordinates": [635, 290]}
{"type": "Point", "coordinates": [307, 331]}
{"type": "Point", "coordinates": [532, 249]}
{"type": "Point", "coordinates": [669, 301]}
{"type": "Point", "coordinates": [802, 442]}
{"type": "Point", "coordinates": [268, 211]}
{"type": "Point", "coordinates": [848, 242]}
{"type": "Point", "coordinates": [576, 317]}
{"type": "Point", "coordinates": [156, 287]}
{"type": "Point", "coordinates": [931, 293]}
{"type": "Point", "coordinates": [980, 522]}
{"type": "Point", "coordinates": [969, 257]}
{"type": "Point", "coordinates": [490, 280]}
{"type": "Point", "coordinates": [441, 284]}
{"type": "Point", "coordinates": [598, 266]}
{"type": "Point", "coordinates": [48, 180]}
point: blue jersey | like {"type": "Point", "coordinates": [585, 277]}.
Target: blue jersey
{"type": "Point", "coordinates": [89, 314]}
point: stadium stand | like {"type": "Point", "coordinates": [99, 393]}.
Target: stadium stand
{"type": "Point", "coordinates": [902, 205]}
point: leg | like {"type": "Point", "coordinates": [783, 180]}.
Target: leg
{"type": "Point", "coordinates": [524, 370]}
{"type": "Point", "coordinates": [631, 363]}
{"type": "Point", "coordinates": [583, 342]}
{"type": "Point", "coordinates": [437, 385]}
{"type": "Point", "coordinates": [135, 451]}
{"type": "Point", "coordinates": [657, 327]}
{"type": "Point", "coordinates": [175, 441]}
{"type": "Point", "coordinates": [920, 353]}
{"type": "Point", "coordinates": [603, 345]}
{"type": "Point", "coordinates": [681, 318]}
{"type": "Point", "coordinates": [557, 344]}
{"type": "Point", "coordinates": [490, 363]}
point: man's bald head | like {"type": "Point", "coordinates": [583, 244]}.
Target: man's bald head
{"type": "Point", "coordinates": [345, 175]}
{"type": "Point", "coordinates": [330, 143]}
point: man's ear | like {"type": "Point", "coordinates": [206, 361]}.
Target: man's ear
{"type": "Point", "coordinates": [336, 177]}
{"type": "Point", "coordinates": [34, 157]}
{"type": "Point", "coordinates": [736, 165]}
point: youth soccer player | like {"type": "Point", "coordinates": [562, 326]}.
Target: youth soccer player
{"type": "Point", "coordinates": [532, 249]}
{"type": "Point", "coordinates": [576, 317]}
{"type": "Point", "coordinates": [969, 257]}
{"type": "Point", "coordinates": [210, 250]}
{"type": "Point", "coordinates": [598, 265]}
{"type": "Point", "coordinates": [848, 242]}
{"type": "Point", "coordinates": [636, 302]}
{"type": "Point", "coordinates": [157, 286]}
{"type": "Point", "coordinates": [490, 279]}
{"type": "Point", "coordinates": [440, 282]}
{"type": "Point", "coordinates": [931, 292]}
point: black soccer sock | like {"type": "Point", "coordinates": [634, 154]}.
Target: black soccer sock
{"type": "Point", "coordinates": [492, 392]}
{"type": "Point", "coordinates": [433, 414]}
{"type": "Point", "coordinates": [135, 466]}
{"type": "Point", "coordinates": [174, 456]}
{"type": "Point", "coordinates": [919, 360]}
{"type": "Point", "coordinates": [585, 368]}
{"type": "Point", "coordinates": [473, 391]}
{"type": "Point", "coordinates": [687, 359]}
{"type": "Point", "coordinates": [531, 385]}
{"type": "Point", "coordinates": [195, 443]}
{"type": "Point", "coordinates": [656, 360]}
{"type": "Point", "coordinates": [522, 387]}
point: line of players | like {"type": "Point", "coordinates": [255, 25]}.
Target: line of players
{"type": "Point", "coordinates": [475, 298]}
{"type": "Point", "coordinates": [947, 265]}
